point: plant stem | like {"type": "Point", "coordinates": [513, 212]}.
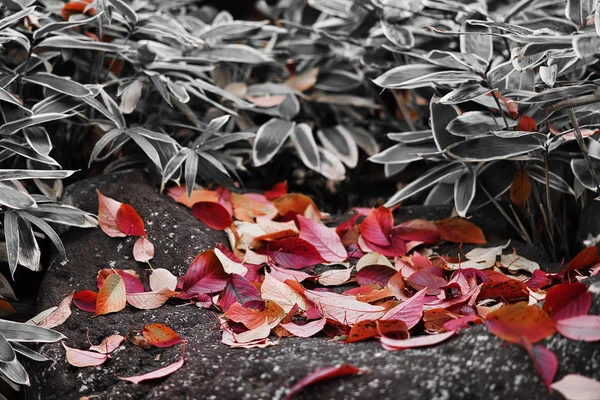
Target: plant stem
{"type": "Point", "coordinates": [583, 147]}
{"type": "Point", "coordinates": [577, 101]}
{"type": "Point", "coordinates": [500, 109]}
{"type": "Point", "coordinates": [548, 199]}
{"type": "Point", "coordinates": [524, 235]}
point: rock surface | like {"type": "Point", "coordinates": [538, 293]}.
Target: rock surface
{"type": "Point", "coordinates": [472, 365]}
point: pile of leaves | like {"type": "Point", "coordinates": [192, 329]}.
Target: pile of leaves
{"type": "Point", "coordinates": [288, 274]}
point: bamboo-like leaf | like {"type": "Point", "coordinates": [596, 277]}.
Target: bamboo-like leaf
{"type": "Point", "coordinates": [464, 192]}
{"type": "Point", "coordinates": [59, 84]}
{"type": "Point", "coordinates": [269, 139]}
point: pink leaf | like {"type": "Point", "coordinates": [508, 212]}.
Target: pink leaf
{"type": "Point", "coordinates": [343, 309]}
{"type": "Point", "coordinates": [321, 375]}
{"type": "Point", "coordinates": [419, 341]}
{"type": "Point", "coordinates": [423, 279]}
{"type": "Point", "coordinates": [306, 330]}
{"type": "Point", "coordinates": [107, 215]}
{"type": "Point", "coordinates": [109, 344]}
{"type": "Point", "coordinates": [161, 278]}
{"type": "Point", "coordinates": [84, 358]}
{"type": "Point", "coordinates": [159, 373]}
{"type": "Point", "coordinates": [283, 274]}
{"type": "Point", "coordinates": [130, 278]}
{"type": "Point", "coordinates": [409, 311]}
{"type": "Point", "coordinates": [335, 277]}
{"type": "Point", "coordinates": [371, 274]}
{"type": "Point", "coordinates": [583, 327]}
{"type": "Point", "coordinates": [377, 226]}
{"type": "Point", "coordinates": [149, 300]}
{"type": "Point", "coordinates": [281, 293]}
{"type": "Point", "coordinates": [325, 240]}
{"type": "Point", "coordinates": [577, 387]}
{"type": "Point", "coordinates": [463, 323]}
{"type": "Point", "coordinates": [545, 362]}
{"type": "Point", "coordinates": [395, 249]}
{"type": "Point", "coordinates": [143, 250]}
{"type": "Point", "coordinates": [60, 315]}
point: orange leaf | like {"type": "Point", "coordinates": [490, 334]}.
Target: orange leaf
{"type": "Point", "coordinates": [77, 7]}
{"type": "Point", "coordinates": [294, 202]}
{"type": "Point", "coordinates": [246, 208]}
{"type": "Point", "coordinates": [280, 189]}
{"type": "Point", "coordinates": [520, 189]}
{"type": "Point", "coordinates": [459, 231]}
{"type": "Point", "coordinates": [197, 196]}
{"type": "Point", "coordinates": [161, 335]}
{"type": "Point", "coordinates": [112, 296]}
{"type": "Point", "coordinates": [515, 322]}
{"type": "Point", "coordinates": [367, 329]}
{"type": "Point", "coordinates": [527, 124]}
{"type": "Point", "coordinates": [129, 221]}
{"type": "Point", "coordinates": [509, 290]}
{"type": "Point", "coordinates": [251, 318]}
{"type": "Point", "coordinates": [435, 319]}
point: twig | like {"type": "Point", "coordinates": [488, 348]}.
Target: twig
{"type": "Point", "coordinates": [524, 235]}
{"type": "Point", "coordinates": [548, 200]}
{"type": "Point", "coordinates": [576, 101]}
{"type": "Point", "coordinates": [500, 109]}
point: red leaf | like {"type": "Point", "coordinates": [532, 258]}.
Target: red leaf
{"type": "Point", "coordinates": [204, 275]}
{"type": "Point", "coordinates": [408, 232]}
{"type": "Point", "coordinates": [294, 253]}
{"type": "Point", "coordinates": [545, 362]}
{"type": "Point", "coordinates": [520, 189]}
{"type": "Point", "coordinates": [586, 258]}
{"type": "Point", "coordinates": [419, 341]}
{"type": "Point", "coordinates": [238, 290]}
{"type": "Point", "coordinates": [376, 228]}
{"type": "Point", "coordinates": [520, 321]}
{"type": "Point", "coordinates": [368, 329]}
{"type": "Point", "coordinates": [280, 189]}
{"type": "Point", "coordinates": [161, 335]}
{"type": "Point", "coordinates": [509, 291]}
{"type": "Point", "coordinates": [325, 240]}
{"type": "Point", "coordinates": [396, 249]}
{"type": "Point", "coordinates": [371, 274]}
{"type": "Point", "coordinates": [460, 231]}
{"type": "Point", "coordinates": [76, 7]}
{"type": "Point", "coordinates": [132, 282]}
{"type": "Point", "coordinates": [527, 124]}
{"type": "Point", "coordinates": [107, 215]}
{"type": "Point", "coordinates": [321, 375]}
{"type": "Point", "coordinates": [129, 221]}
{"type": "Point", "coordinates": [85, 300]}
{"type": "Point", "coordinates": [212, 214]}
{"type": "Point", "coordinates": [583, 327]}
{"type": "Point", "coordinates": [538, 280]}
{"type": "Point", "coordinates": [568, 300]}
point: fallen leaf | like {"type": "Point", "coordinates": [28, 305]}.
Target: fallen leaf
{"type": "Point", "coordinates": [143, 250]}
{"type": "Point", "coordinates": [129, 221]}
{"type": "Point", "coordinates": [582, 327]}
{"type": "Point", "coordinates": [303, 81]}
{"type": "Point", "coordinates": [161, 335]}
{"type": "Point", "coordinates": [230, 266]}
{"type": "Point", "coordinates": [204, 275]}
{"type": "Point", "coordinates": [377, 226]}
{"type": "Point", "coordinates": [459, 230]}
{"type": "Point", "coordinates": [325, 239]}
{"type": "Point", "coordinates": [281, 293]}
{"type": "Point", "coordinates": [586, 258]}
{"type": "Point", "coordinates": [149, 300]}
{"type": "Point", "coordinates": [419, 341]}
{"type": "Point", "coordinates": [238, 290]}
{"type": "Point", "coordinates": [161, 278]}
{"type": "Point", "coordinates": [335, 277]}
{"type": "Point", "coordinates": [278, 190]}
{"type": "Point", "coordinates": [112, 295]}
{"type": "Point", "coordinates": [368, 329]}
{"type": "Point", "coordinates": [130, 278]}
{"type": "Point", "coordinates": [321, 375]}
{"type": "Point", "coordinates": [107, 215]}
{"type": "Point", "coordinates": [307, 330]}
{"type": "Point", "coordinates": [577, 387]}
{"type": "Point", "coordinates": [545, 362]}
{"type": "Point", "coordinates": [568, 300]}
{"type": "Point", "coordinates": [343, 309]}
{"type": "Point", "coordinates": [159, 373]}
{"type": "Point", "coordinates": [508, 291]}
{"type": "Point", "coordinates": [60, 315]}
{"type": "Point", "coordinates": [109, 344]}
{"type": "Point", "coordinates": [515, 322]}
{"type": "Point", "coordinates": [515, 262]}
{"type": "Point", "coordinates": [463, 322]}
{"type": "Point", "coordinates": [479, 258]}
{"type": "Point", "coordinates": [85, 300]}
{"type": "Point", "coordinates": [409, 311]}
{"type": "Point", "coordinates": [424, 279]}
{"type": "Point", "coordinates": [261, 332]}
{"type": "Point", "coordinates": [212, 214]}
{"type": "Point", "coordinates": [526, 124]}
{"type": "Point", "coordinates": [179, 194]}
{"type": "Point", "coordinates": [83, 358]}
{"type": "Point", "coordinates": [253, 318]}
{"type": "Point", "coordinates": [294, 253]}
{"type": "Point", "coordinates": [434, 320]}
{"type": "Point", "coordinates": [294, 202]}
{"type": "Point", "coordinates": [373, 259]}
{"type": "Point", "coordinates": [375, 274]}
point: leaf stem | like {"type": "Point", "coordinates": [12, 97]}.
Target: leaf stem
{"type": "Point", "coordinates": [500, 109]}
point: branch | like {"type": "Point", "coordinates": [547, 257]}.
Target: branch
{"type": "Point", "coordinates": [576, 101]}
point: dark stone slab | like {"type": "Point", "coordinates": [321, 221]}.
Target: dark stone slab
{"type": "Point", "coordinates": [472, 365]}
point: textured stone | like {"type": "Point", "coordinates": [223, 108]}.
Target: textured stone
{"type": "Point", "coordinates": [472, 365]}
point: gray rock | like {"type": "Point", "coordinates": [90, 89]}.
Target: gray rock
{"type": "Point", "coordinates": [472, 365]}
